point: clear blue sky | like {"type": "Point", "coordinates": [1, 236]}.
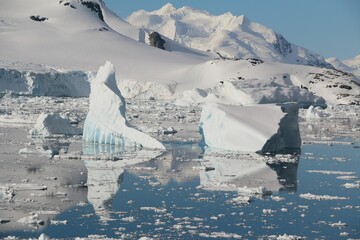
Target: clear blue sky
{"type": "Point", "coordinates": [328, 27]}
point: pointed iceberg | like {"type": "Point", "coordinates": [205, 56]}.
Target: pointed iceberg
{"type": "Point", "coordinates": [105, 122]}
{"type": "Point", "coordinates": [263, 128]}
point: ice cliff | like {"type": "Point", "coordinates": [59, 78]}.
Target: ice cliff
{"type": "Point", "coordinates": [261, 128]}
{"type": "Point", "coordinates": [43, 80]}
{"type": "Point", "coordinates": [106, 122]}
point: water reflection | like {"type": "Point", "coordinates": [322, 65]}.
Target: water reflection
{"type": "Point", "coordinates": [226, 171]}
{"type": "Point", "coordinates": [47, 146]}
{"type": "Point", "coordinates": [178, 164]}
{"type": "Point", "coordinates": [105, 176]}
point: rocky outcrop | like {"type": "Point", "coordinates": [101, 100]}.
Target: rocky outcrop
{"type": "Point", "coordinates": [156, 40]}
{"type": "Point", "coordinates": [94, 7]}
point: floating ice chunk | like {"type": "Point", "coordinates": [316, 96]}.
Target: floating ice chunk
{"type": "Point", "coordinates": [351, 185]}
{"type": "Point", "coordinates": [6, 194]}
{"type": "Point", "coordinates": [285, 237]}
{"type": "Point", "coordinates": [52, 123]}
{"type": "Point", "coordinates": [32, 219]}
{"type": "Point", "coordinates": [315, 112]}
{"type": "Point", "coordinates": [106, 122]}
{"type": "Point", "coordinates": [310, 196]}
{"type": "Point", "coordinates": [265, 128]}
{"type": "Point", "coordinates": [44, 237]}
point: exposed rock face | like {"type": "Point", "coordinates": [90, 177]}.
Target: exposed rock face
{"type": "Point", "coordinates": [156, 40]}
{"type": "Point", "coordinates": [38, 18]}
{"type": "Point", "coordinates": [282, 46]}
{"type": "Point", "coordinates": [94, 7]}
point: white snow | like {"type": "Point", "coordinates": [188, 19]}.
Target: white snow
{"type": "Point", "coordinates": [144, 71]}
{"type": "Point", "coordinates": [53, 123]}
{"type": "Point", "coordinates": [349, 65]}
{"type": "Point", "coordinates": [106, 122]}
{"type": "Point", "coordinates": [264, 128]}
{"type": "Point", "coordinates": [230, 36]}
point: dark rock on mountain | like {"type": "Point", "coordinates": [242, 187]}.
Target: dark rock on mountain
{"type": "Point", "coordinates": [156, 40]}
{"type": "Point", "coordinates": [38, 18]}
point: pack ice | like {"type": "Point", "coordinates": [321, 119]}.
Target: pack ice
{"type": "Point", "coordinates": [105, 122]}
{"type": "Point", "coordinates": [260, 128]}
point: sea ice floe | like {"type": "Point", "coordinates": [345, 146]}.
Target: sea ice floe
{"type": "Point", "coordinates": [32, 219]}
{"type": "Point", "coordinates": [351, 185]}
{"type": "Point", "coordinates": [310, 196]}
{"type": "Point", "coordinates": [6, 194]}
{"type": "Point", "coordinates": [330, 172]}
{"type": "Point", "coordinates": [257, 128]}
{"type": "Point", "coordinates": [285, 237]}
{"type": "Point", "coordinates": [106, 122]}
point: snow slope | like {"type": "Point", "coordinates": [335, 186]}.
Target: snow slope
{"type": "Point", "coordinates": [106, 122]}
{"type": "Point", "coordinates": [350, 65]}
{"type": "Point", "coordinates": [71, 40]}
{"type": "Point", "coordinates": [230, 36]}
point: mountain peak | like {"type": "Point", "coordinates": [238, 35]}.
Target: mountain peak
{"type": "Point", "coordinates": [167, 8]}
{"type": "Point", "coordinates": [226, 34]}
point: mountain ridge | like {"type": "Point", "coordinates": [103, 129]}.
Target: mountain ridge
{"type": "Point", "coordinates": [69, 36]}
{"type": "Point", "coordinates": [230, 36]}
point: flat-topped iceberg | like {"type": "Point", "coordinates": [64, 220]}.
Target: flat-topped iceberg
{"type": "Point", "coordinates": [106, 122]}
{"type": "Point", "coordinates": [264, 128]}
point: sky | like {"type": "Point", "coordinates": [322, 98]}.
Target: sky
{"type": "Point", "coordinates": [330, 28]}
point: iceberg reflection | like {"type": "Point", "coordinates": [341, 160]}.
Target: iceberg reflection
{"type": "Point", "coordinates": [231, 171]}
{"type": "Point", "coordinates": [105, 165]}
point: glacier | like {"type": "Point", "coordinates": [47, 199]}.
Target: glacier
{"type": "Point", "coordinates": [263, 128]}
{"type": "Point", "coordinates": [43, 80]}
{"type": "Point", "coordinates": [105, 122]}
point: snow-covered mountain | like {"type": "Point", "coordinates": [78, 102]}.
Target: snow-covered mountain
{"type": "Point", "coordinates": [66, 41]}
{"type": "Point", "coordinates": [349, 65]}
{"type": "Point", "coordinates": [230, 36]}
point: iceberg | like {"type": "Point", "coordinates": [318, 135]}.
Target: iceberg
{"type": "Point", "coordinates": [263, 128]}
{"type": "Point", "coordinates": [49, 124]}
{"type": "Point", "coordinates": [105, 122]}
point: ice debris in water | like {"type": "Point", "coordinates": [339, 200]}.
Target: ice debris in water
{"type": "Point", "coordinates": [6, 194]}
{"type": "Point", "coordinates": [52, 123]}
{"type": "Point", "coordinates": [105, 122]}
{"type": "Point", "coordinates": [264, 128]}
{"type": "Point", "coordinates": [32, 220]}
{"type": "Point", "coordinates": [310, 196]}
{"type": "Point", "coordinates": [285, 237]}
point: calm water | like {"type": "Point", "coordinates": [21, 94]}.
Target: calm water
{"type": "Point", "coordinates": [162, 199]}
